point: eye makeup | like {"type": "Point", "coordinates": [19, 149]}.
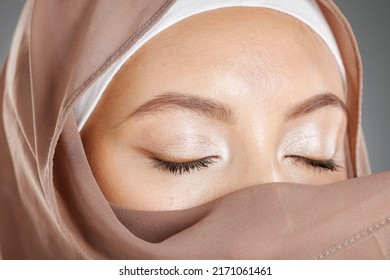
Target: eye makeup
{"type": "Point", "coordinates": [311, 140]}
{"type": "Point", "coordinates": [314, 145]}
{"type": "Point", "coordinates": [190, 145]}
{"type": "Point", "coordinates": [181, 167]}
{"type": "Point", "coordinates": [317, 164]}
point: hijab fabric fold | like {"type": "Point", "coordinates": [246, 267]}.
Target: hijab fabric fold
{"type": "Point", "coordinates": [52, 208]}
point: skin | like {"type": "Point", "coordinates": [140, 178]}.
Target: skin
{"type": "Point", "coordinates": [260, 64]}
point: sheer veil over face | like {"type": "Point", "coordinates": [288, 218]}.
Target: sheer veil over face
{"type": "Point", "coordinates": [247, 152]}
{"type": "Point", "coordinates": [257, 98]}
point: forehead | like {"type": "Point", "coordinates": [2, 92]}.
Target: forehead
{"type": "Point", "coordinates": [242, 31]}
{"type": "Point", "coordinates": [249, 39]}
{"type": "Point", "coordinates": [240, 48]}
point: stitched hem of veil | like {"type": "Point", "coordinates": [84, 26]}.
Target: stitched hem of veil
{"type": "Point", "coordinates": [356, 238]}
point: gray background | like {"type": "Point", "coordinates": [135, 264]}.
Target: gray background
{"type": "Point", "coordinates": [369, 20]}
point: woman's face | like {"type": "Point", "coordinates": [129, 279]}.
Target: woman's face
{"type": "Point", "coordinates": [219, 102]}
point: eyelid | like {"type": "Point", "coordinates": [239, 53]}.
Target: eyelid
{"type": "Point", "coordinates": [317, 164]}
{"type": "Point", "coordinates": [181, 167]}
{"type": "Point", "coordinates": [167, 157]}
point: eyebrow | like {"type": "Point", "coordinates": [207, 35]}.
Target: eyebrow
{"type": "Point", "coordinates": [202, 106]}
{"type": "Point", "coordinates": [315, 103]}
{"type": "Point", "coordinates": [219, 111]}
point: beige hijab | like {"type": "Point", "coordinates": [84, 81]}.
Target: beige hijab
{"type": "Point", "coordinates": [51, 206]}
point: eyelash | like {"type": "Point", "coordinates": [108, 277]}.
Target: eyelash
{"type": "Point", "coordinates": [179, 168]}
{"type": "Point", "coordinates": [327, 165]}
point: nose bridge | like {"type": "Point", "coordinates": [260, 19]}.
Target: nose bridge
{"type": "Point", "coordinates": [264, 167]}
{"type": "Point", "coordinates": [264, 161]}
{"type": "Point", "coordinates": [268, 171]}
{"type": "Point", "coordinates": [275, 173]}
{"type": "Point", "coordinates": [260, 157]}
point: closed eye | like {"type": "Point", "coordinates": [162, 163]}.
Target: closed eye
{"type": "Point", "coordinates": [316, 164]}
{"type": "Point", "coordinates": [179, 168]}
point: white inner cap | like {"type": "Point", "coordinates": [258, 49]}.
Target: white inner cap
{"type": "Point", "coordinates": [306, 11]}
